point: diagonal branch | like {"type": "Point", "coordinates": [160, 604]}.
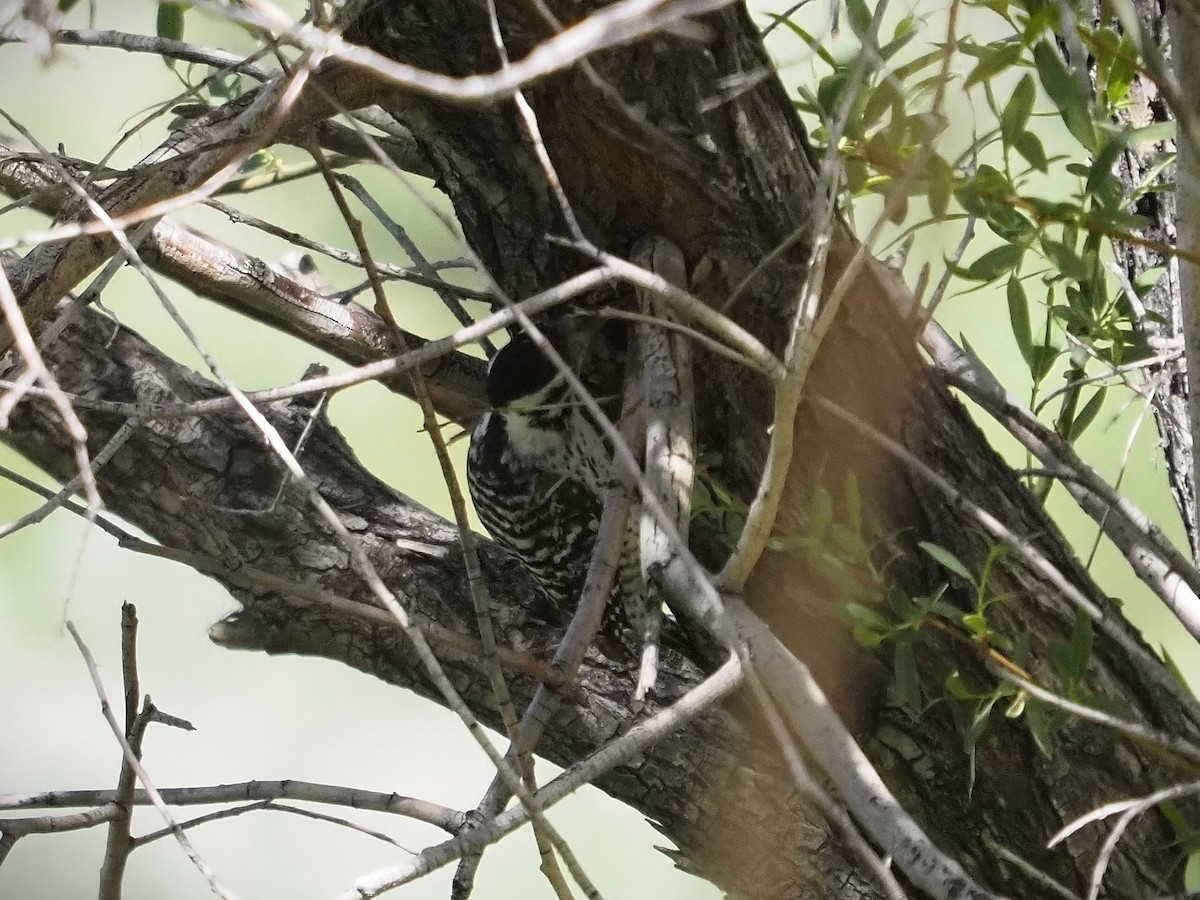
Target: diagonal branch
{"type": "Point", "coordinates": [674, 782]}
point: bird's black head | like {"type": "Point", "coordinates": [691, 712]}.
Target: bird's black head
{"type": "Point", "coordinates": [518, 370]}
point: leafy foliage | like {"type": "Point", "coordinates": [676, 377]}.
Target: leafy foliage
{"type": "Point", "coordinates": [1050, 215]}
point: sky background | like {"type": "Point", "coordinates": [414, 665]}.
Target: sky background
{"type": "Point", "coordinates": [262, 717]}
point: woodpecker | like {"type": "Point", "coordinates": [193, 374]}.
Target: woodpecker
{"type": "Point", "coordinates": [537, 470]}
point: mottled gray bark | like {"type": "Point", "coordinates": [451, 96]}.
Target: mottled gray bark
{"type": "Point", "coordinates": [200, 485]}
{"type": "Point", "coordinates": [1163, 332]}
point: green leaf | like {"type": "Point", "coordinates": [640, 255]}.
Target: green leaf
{"type": "Point", "coordinates": [1116, 219]}
{"type": "Point", "coordinates": [1191, 873]}
{"type": "Point", "coordinates": [820, 513]}
{"type": "Point", "coordinates": [170, 22]}
{"type": "Point", "coordinates": [1018, 317]}
{"type": "Point", "coordinates": [865, 637]}
{"type": "Point", "coordinates": [1044, 357]}
{"type": "Point", "coordinates": [1057, 211]}
{"type": "Point", "coordinates": [976, 624]}
{"type": "Point", "coordinates": [984, 190]}
{"type": "Point", "coordinates": [993, 59]}
{"type": "Point", "coordinates": [879, 100]}
{"type": "Point", "coordinates": [225, 87]}
{"type": "Point", "coordinates": [974, 733]}
{"type": "Point", "coordinates": [1087, 415]}
{"type": "Point", "coordinates": [1009, 224]}
{"type": "Point", "coordinates": [1016, 112]}
{"type": "Point", "coordinates": [1065, 90]}
{"type": "Point", "coordinates": [1042, 725]}
{"type": "Point", "coordinates": [830, 90]}
{"type": "Point", "coordinates": [907, 685]}
{"type": "Point", "coordinates": [1063, 258]}
{"type": "Point", "coordinates": [1159, 131]}
{"type": "Point", "coordinates": [1029, 145]}
{"type": "Point", "coordinates": [867, 617]}
{"type": "Point", "coordinates": [1016, 709]}
{"type": "Point", "coordinates": [902, 73]}
{"type": "Point", "coordinates": [1104, 160]}
{"type": "Point", "coordinates": [859, 17]}
{"type": "Point", "coordinates": [940, 188]}
{"type": "Point", "coordinates": [900, 39]}
{"type": "Point", "coordinates": [1121, 74]}
{"type": "Point", "coordinates": [1148, 279]}
{"type": "Point", "coordinates": [1070, 658]}
{"type": "Point", "coordinates": [847, 544]}
{"type": "Point", "coordinates": [995, 263]}
{"type": "Point", "coordinates": [956, 687]}
{"type": "Point", "coordinates": [809, 39]}
{"type": "Point", "coordinates": [1082, 636]}
{"type": "Point", "coordinates": [947, 560]}
{"type": "Point", "coordinates": [979, 722]}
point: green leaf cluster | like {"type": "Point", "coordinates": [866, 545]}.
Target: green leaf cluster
{"type": "Point", "coordinates": [1050, 215]}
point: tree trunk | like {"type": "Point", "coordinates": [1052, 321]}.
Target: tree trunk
{"type": "Point", "coordinates": [693, 138]}
{"type": "Point", "coordinates": [1166, 335]}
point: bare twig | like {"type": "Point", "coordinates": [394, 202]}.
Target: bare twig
{"type": "Point", "coordinates": [120, 843]}
{"type": "Point", "coordinates": [252, 578]}
{"type": "Point", "coordinates": [159, 46]}
{"type": "Point", "coordinates": [1110, 624]}
{"type": "Point", "coordinates": [447, 292]}
{"type": "Point", "coordinates": [481, 598]}
{"type": "Point", "coordinates": [832, 811]}
{"type": "Point", "coordinates": [620, 750]}
{"type": "Point", "coordinates": [803, 704]}
{"type": "Point", "coordinates": [812, 320]}
{"type": "Point", "coordinates": [135, 764]}
{"type": "Point", "coordinates": [619, 23]}
{"type": "Point", "coordinates": [449, 820]}
{"type": "Point", "coordinates": [47, 274]}
{"type": "Point", "coordinates": [1158, 562]}
{"type": "Point", "coordinates": [98, 815]}
{"type": "Point", "coordinates": [597, 592]}
{"type": "Point", "coordinates": [1176, 746]}
{"type": "Point", "coordinates": [36, 367]}
{"type": "Point", "coordinates": [1127, 811]}
{"type": "Point", "coordinates": [271, 806]}
{"type": "Point", "coordinates": [690, 308]}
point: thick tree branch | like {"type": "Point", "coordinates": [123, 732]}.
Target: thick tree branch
{"type": "Point", "coordinates": [216, 465]}
{"type": "Point", "coordinates": [252, 287]}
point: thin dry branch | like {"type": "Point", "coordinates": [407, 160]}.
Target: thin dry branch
{"type": "Point", "coordinates": [623, 748]}
{"type": "Point", "coordinates": [189, 167]}
{"type": "Point", "coordinates": [449, 820]}
{"type": "Point", "coordinates": [145, 43]}
{"type": "Point", "coordinates": [135, 765]}
{"type": "Point", "coordinates": [1025, 549]}
{"type": "Point", "coordinates": [1158, 562]}
{"type": "Point", "coordinates": [120, 842]}
{"type": "Point", "coordinates": [36, 368]}
{"type": "Point", "coordinates": [620, 23]}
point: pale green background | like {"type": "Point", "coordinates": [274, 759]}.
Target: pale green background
{"type": "Point", "coordinates": [287, 717]}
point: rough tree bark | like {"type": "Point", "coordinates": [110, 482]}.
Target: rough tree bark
{"type": "Point", "coordinates": [691, 137]}
{"type": "Point", "coordinates": [1158, 207]}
